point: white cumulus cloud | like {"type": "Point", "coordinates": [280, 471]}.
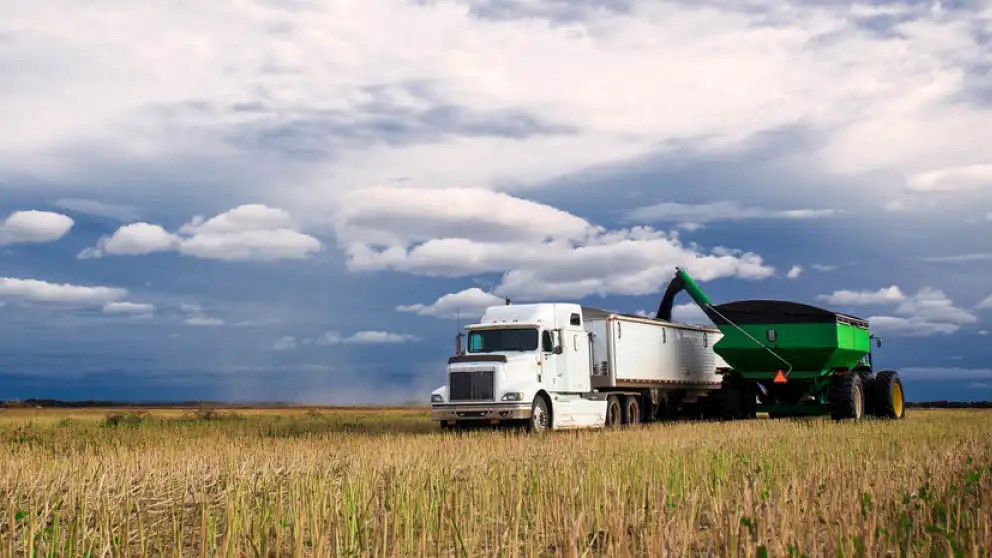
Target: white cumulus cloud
{"type": "Point", "coordinates": [197, 317]}
{"type": "Point", "coordinates": [953, 179]}
{"type": "Point", "coordinates": [864, 298]}
{"type": "Point", "coordinates": [398, 216]}
{"type": "Point", "coordinates": [133, 240]}
{"type": "Point", "coordinates": [469, 303]}
{"type": "Point", "coordinates": [35, 290]}
{"type": "Point", "coordinates": [794, 272]}
{"type": "Point", "coordinates": [34, 226]}
{"type": "Point", "coordinates": [249, 232]}
{"type": "Point", "coordinates": [379, 337]}
{"type": "Point", "coordinates": [927, 312]}
{"type": "Point", "coordinates": [541, 251]}
{"type": "Point", "coordinates": [933, 305]}
{"type": "Point", "coordinates": [985, 304]}
{"type": "Point", "coordinates": [700, 214]}
{"type": "Point", "coordinates": [285, 343]}
{"type": "Point", "coordinates": [135, 309]}
{"type": "Point", "coordinates": [364, 337]}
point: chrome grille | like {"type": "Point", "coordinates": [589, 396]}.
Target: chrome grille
{"type": "Point", "coordinates": [475, 385]}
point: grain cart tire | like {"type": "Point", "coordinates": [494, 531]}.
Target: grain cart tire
{"type": "Point", "coordinates": [631, 410]}
{"type": "Point", "coordinates": [540, 417]}
{"type": "Point", "coordinates": [749, 404]}
{"type": "Point", "coordinates": [614, 412]}
{"type": "Point", "coordinates": [731, 397]}
{"type": "Point", "coordinates": [868, 386]}
{"type": "Point", "coordinates": [887, 395]}
{"type": "Point", "coordinates": [846, 396]}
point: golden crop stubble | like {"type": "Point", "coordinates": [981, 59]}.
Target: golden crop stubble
{"type": "Point", "coordinates": [387, 483]}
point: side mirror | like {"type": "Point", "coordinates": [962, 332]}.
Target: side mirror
{"type": "Point", "coordinates": [558, 350]}
{"type": "Point", "coordinates": [458, 345]}
{"type": "Point", "coordinates": [878, 342]}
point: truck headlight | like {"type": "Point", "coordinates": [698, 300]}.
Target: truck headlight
{"type": "Point", "coordinates": [513, 396]}
{"type": "Point", "coordinates": [437, 398]}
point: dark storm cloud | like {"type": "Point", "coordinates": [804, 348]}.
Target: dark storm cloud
{"type": "Point", "coordinates": [318, 133]}
{"type": "Point", "coordinates": [311, 133]}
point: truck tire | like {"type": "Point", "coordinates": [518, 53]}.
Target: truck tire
{"type": "Point", "coordinates": [540, 417]}
{"type": "Point", "coordinates": [846, 396]}
{"type": "Point", "coordinates": [631, 410]}
{"type": "Point", "coordinates": [614, 412]}
{"type": "Point", "coordinates": [730, 398]}
{"type": "Point", "coordinates": [887, 395]}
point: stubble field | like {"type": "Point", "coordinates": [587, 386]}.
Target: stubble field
{"type": "Point", "coordinates": [388, 483]}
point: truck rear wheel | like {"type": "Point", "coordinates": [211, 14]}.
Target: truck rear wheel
{"type": "Point", "coordinates": [631, 410]}
{"type": "Point", "coordinates": [846, 396]}
{"type": "Point", "coordinates": [887, 395]}
{"type": "Point", "coordinates": [540, 418]}
{"type": "Point", "coordinates": [614, 413]}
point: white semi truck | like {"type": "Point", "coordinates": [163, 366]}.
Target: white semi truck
{"type": "Point", "coordinates": [562, 366]}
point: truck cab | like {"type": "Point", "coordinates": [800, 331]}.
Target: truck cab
{"type": "Point", "coordinates": [522, 363]}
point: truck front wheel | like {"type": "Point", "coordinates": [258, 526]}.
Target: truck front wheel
{"type": "Point", "coordinates": [540, 418]}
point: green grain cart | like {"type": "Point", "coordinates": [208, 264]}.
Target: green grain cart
{"type": "Point", "coordinates": [793, 359]}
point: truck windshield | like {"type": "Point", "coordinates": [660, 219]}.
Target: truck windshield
{"type": "Point", "coordinates": [497, 340]}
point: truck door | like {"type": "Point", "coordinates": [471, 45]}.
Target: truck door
{"type": "Point", "coordinates": [578, 368]}
{"type": "Point", "coordinates": [551, 365]}
{"type": "Point", "coordinates": [577, 358]}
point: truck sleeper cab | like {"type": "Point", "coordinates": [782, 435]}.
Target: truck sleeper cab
{"type": "Point", "coordinates": [560, 366]}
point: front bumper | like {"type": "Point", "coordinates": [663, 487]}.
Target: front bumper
{"type": "Point", "coordinates": [485, 411]}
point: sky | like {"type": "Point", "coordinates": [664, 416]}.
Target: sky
{"type": "Point", "coordinates": [302, 201]}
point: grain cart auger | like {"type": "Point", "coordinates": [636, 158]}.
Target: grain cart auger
{"type": "Point", "coordinates": [792, 359]}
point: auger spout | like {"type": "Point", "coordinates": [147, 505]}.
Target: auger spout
{"type": "Point", "coordinates": [682, 282]}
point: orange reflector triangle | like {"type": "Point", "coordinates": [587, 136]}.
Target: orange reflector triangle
{"type": "Point", "coordinates": [780, 378]}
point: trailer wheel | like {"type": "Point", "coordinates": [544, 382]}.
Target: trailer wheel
{"type": "Point", "coordinates": [631, 410]}
{"type": "Point", "coordinates": [887, 395]}
{"type": "Point", "coordinates": [846, 396]}
{"type": "Point", "coordinates": [614, 413]}
{"type": "Point", "coordinates": [540, 418]}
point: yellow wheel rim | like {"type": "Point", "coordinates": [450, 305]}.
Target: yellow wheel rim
{"type": "Point", "coordinates": [897, 399]}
